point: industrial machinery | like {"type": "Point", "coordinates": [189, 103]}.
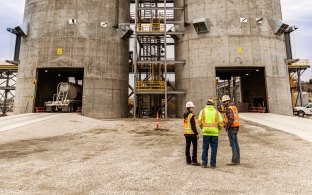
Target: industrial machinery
{"type": "Point", "coordinates": [67, 99]}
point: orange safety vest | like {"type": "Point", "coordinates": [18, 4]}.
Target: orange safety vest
{"type": "Point", "coordinates": [236, 117]}
{"type": "Point", "coordinates": [187, 125]}
{"type": "Point", "coordinates": [215, 124]}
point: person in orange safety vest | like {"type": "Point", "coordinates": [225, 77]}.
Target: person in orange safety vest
{"type": "Point", "coordinates": [231, 124]}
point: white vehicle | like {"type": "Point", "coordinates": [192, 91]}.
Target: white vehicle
{"type": "Point", "coordinates": [67, 99]}
{"type": "Point", "coordinates": [301, 111]}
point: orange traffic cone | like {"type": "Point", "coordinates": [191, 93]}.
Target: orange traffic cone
{"type": "Point", "coordinates": [157, 122]}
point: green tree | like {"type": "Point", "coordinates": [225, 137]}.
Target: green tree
{"type": "Point", "coordinates": [310, 81]}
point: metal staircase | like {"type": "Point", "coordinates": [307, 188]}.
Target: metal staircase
{"type": "Point", "coordinates": [150, 57]}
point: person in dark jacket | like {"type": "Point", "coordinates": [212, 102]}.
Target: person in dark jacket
{"type": "Point", "coordinates": [191, 134]}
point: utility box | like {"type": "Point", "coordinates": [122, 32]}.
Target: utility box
{"type": "Point", "coordinates": [126, 32]}
{"type": "Point", "coordinates": [201, 25]}
{"type": "Point", "coordinates": [280, 27]}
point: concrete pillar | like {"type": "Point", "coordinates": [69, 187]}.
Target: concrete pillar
{"type": "Point", "coordinates": [85, 44]}
{"type": "Point", "coordinates": [229, 39]}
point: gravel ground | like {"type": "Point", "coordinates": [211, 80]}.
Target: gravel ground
{"type": "Point", "coordinates": [129, 157]}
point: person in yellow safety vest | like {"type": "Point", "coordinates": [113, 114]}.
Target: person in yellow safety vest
{"type": "Point", "coordinates": [190, 134]}
{"type": "Point", "coordinates": [231, 124]}
{"type": "Point", "coordinates": [211, 122]}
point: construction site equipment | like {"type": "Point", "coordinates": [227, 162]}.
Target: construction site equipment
{"type": "Point", "coordinates": [157, 122]}
{"type": "Point", "coordinates": [257, 109]}
{"type": "Point", "coordinates": [67, 98]}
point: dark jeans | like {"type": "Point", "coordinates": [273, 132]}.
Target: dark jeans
{"type": "Point", "coordinates": [191, 140]}
{"type": "Point", "coordinates": [232, 133]}
{"type": "Point", "coordinates": [213, 142]}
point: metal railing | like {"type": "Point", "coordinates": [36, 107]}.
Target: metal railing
{"type": "Point", "coordinates": [151, 27]}
{"type": "Point", "coordinates": [150, 86]}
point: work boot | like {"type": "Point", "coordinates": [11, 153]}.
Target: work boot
{"type": "Point", "coordinates": [213, 166]}
{"type": "Point", "coordinates": [204, 166]}
{"type": "Point", "coordinates": [195, 163]}
{"type": "Point", "coordinates": [188, 163]}
{"type": "Point", "coordinates": [233, 164]}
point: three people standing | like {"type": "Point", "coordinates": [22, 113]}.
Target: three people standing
{"type": "Point", "coordinates": [211, 122]}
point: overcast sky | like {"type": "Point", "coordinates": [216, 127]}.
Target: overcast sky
{"type": "Point", "coordinates": [297, 13]}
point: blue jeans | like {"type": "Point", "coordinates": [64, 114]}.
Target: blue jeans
{"type": "Point", "coordinates": [213, 142]}
{"type": "Point", "coordinates": [232, 133]}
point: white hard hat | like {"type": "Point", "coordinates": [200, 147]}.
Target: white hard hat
{"type": "Point", "coordinates": [190, 105]}
{"type": "Point", "coordinates": [226, 98]}
{"type": "Point", "coordinates": [210, 100]}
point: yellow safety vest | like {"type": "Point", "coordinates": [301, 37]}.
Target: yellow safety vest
{"type": "Point", "coordinates": [212, 124]}
{"type": "Point", "coordinates": [187, 125]}
{"type": "Point", "coordinates": [210, 119]}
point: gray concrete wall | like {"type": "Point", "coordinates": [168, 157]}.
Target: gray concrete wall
{"type": "Point", "coordinates": [218, 48]}
{"type": "Point", "coordinates": [100, 51]}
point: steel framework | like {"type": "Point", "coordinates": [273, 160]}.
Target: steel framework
{"type": "Point", "coordinates": [151, 65]}
{"type": "Point", "coordinates": [8, 74]}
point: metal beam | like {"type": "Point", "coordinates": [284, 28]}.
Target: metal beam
{"type": "Point", "coordinates": [160, 33]}
{"type": "Point", "coordinates": [160, 8]}
{"type": "Point", "coordinates": [162, 62]}
{"type": "Point", "coordinates": [135, 58]}
{"type": "Point", "coordinates": [165, 48]}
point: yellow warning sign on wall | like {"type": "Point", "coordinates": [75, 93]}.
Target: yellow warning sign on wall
{"type": "Point", "coordinates": [59, 51]}
{"type": "Point", "coordinates": [240, 50]}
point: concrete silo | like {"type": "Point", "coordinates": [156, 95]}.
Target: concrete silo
{"type": "Point", "coordinates": [233, 39]}
{"type": "Point", "coordinates": [77, 40]}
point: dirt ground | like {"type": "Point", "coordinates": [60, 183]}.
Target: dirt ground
{"type": "Point", "coordinates": [130, 157]}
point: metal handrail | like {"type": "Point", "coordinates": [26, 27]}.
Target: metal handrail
{"type": "Point", "coordinates": [150, 85]}
{"type": "Point", "coordinates": [151, 27]}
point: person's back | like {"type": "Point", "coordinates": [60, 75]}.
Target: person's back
{"type": "Point", "coordinates": [210, 121]}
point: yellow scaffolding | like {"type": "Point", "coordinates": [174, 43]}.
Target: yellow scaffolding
{"type": "Point", "coordinates": [154, 26]}
{"type": "Point", "coordinates": [150, 86]}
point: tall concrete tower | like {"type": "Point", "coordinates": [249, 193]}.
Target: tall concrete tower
{"type": "Point", "coordinates": [77, 41]}
{"type": "Point", "coordinates": [235, 41]}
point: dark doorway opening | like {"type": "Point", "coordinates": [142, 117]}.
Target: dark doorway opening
{"type": "Point", "coordinates": [59, 89]}
{"type": "Point", "coordinates": [245, 85]}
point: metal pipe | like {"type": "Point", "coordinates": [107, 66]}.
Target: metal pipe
{"type": "Point", "coordinates": [300, 86]}
{"type": "Point", "coordinates": [6, 91]}
{"type": "Point", "coordinates": [135, 57]}
{"type": "Point", "coordinates": [116, 25]}
{"type": "Point", "coordinates": [17, 48]}
{"type": "Point", "coordinates": [165, 49]}
{"type": "Point", "coordinates": [288, 46]}
{"type": "Point", "coordinates": [186, 22]}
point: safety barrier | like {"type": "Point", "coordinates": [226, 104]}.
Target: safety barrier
{"type": "Point", "coordinates": [257, 109]}
{"type": "Point", "coordinates": [152, 27]}
{"type": "Point", "coordinates": [150, 85]}
{"type": "Point", "coordinates": [39, 109]}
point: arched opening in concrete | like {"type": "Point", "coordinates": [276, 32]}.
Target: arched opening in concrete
{"type": "Point", "coordinates": [245, 85]}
